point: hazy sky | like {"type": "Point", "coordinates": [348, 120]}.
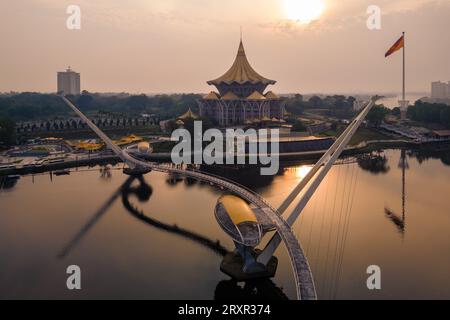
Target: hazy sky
{"type": "Point", "coordinates": [154, 46]}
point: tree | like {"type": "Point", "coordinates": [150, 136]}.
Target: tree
{"type": "Point", "coordinates": [7, 131]}
{"type": "Point", "coordinates": [316, 101]}
{"type": "Point", "coordinates": [430, 112]}
{"type": "Point", "coordinates": [298, 126]}
{"type": "Point", "coordinates": [377, 114]}
{"type": "Point", "coordinates": [295, 106]}
{"type": "Point", "coordinates": [396, 111]}
{"type": "Point", "coordinates": [137, 103]}
{"type": "Point", "coordinates": [444, 116]}
{"type": "Point", "coordinates": [85, 101]}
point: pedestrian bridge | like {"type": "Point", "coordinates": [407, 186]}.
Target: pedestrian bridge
{"type": "Point", "coordinates": [303, 277]}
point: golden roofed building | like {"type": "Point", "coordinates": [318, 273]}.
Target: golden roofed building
{"type": "Point", "coordinates": [188, 115]}
{"type": "Point", "coordinates": [240, 98]}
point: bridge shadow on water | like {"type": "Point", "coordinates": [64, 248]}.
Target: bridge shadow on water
{"type": "Point", "coordinates": [226, 289]}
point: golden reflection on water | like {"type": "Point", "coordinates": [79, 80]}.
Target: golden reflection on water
{"type": "Point", "coordinates": [302, 171]}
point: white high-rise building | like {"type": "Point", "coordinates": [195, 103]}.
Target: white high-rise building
{"type": "Point", "coordinates": [440, 90]}
{"type": "Point", "coordinates": [69, 82]}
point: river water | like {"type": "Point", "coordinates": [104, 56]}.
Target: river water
{"type": "Point", "coordinates": [356, 219]}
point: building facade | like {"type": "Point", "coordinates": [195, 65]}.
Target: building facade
{"type": "Point", "coordinates": [240, 97]}
{"type": "Point", "coordinates": [69, 82]}
{"type": "Point", "coordinates": [440, 90]}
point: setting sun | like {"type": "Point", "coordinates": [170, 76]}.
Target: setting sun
{"type": "Point", "coordinates": [303, 11]}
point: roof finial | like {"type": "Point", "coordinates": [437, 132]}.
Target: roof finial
{"type": "Point", "coordinates": [241, 33]}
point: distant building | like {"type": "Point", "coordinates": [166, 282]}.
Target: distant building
{"type": "Point", "coordinates": [440, 90]}
{"type": "Point", "coordinates": [441, 134]}
{"type": "Point", "coordinates": [69, 82]}
{"type": "Point", "coordinates": [241, 98]}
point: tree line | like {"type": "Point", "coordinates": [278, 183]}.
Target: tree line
{"type": "Point", "coordinates": [430, 112]}
{"type": "Point", "coordinates": [37, 106]}
{"type": "Point", "coordinates": [335, 105]}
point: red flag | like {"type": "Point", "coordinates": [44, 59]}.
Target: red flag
{"type": "Point", "coordinates": [397, 46]}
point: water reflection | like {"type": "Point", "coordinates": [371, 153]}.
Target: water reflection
{"type": "Point", "coordinates": [226, 289]}
{"type": "Point", "coordinates": [374, 162]}
{"type": "Point", "coordinates": [436, 153]}
{"type": "Point", "coordinates": [400, 221]}
{"type": "Point", "coordinates": [91, 222]}
{"type": "Point", "coordinates": [343, 230]}
{"type": "Point", "coordinates": [8, 182]}
{"type": "Point", "coordinates": [143, 192]}
{"type": "Point", "coordinates": [105, 172]}
{"type": "Point", "coordinates": [248, 176]}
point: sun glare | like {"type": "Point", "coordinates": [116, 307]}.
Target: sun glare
{"type": "Point", "coordinates": [301, 172]}
{"type": "Point", "coordinates": [304, 11]}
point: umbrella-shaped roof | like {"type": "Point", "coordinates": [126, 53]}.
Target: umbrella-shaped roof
{"type": "Point", "coordinates": [241, 72]}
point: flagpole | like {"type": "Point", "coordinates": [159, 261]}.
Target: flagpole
{"type": "Point", "coordinates": [404, 67]}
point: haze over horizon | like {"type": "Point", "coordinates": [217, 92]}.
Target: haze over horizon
{"type": "Point", "coordinates": [169, 46]}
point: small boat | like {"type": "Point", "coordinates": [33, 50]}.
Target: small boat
{"type": "Point", "coordinates": [62, 173]}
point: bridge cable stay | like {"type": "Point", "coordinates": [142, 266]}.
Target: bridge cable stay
{"type": "Point", "coordinates": [347, 207]}
{"type": "Point", "coordinates": [330, 233]}
{"type": "Point", "coordinates": [341, 224]}
{"type": "Point", "coordinates": [345, 235]}
{"type": "Point", "coordinates": [322, 224]}
{"type": "Point", "coordinates": [324, 213]}
{"type": "Point", "coordinates": [315, 180]}
{"type": "Point", "coordinates": [339, 243]}
{"type": "Point", "coordinates": [315, 205]}
{"type": "Point", "coordinates": [330, 255]}
{"type": "Point", "coordinates": [338, 230]}
{"type": "Point", "coordinates": [317, 210]}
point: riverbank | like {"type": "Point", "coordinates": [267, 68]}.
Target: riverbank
{"type": "Point", "coordinates": [363, 147]}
